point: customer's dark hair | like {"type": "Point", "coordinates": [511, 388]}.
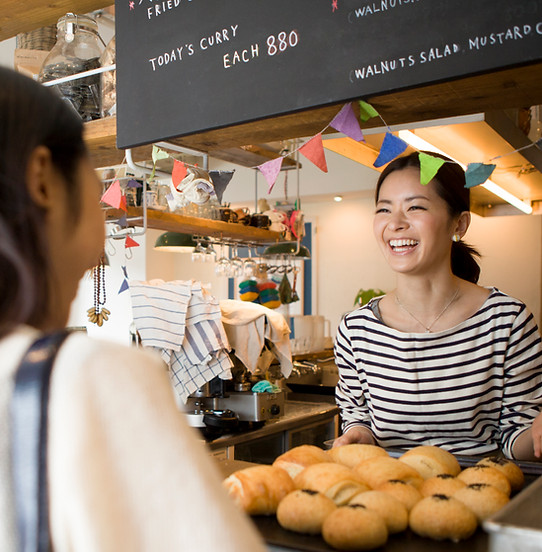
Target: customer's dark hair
{"type": "Point", "coordinates": [450, 186]}
{"type": "Point", "coordinates": [30, 115]}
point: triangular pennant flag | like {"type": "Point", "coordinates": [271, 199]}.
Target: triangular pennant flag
{"type": "Point", "coordinates": [113, 195]}
{"type": "Point", "coordinates": [429, 167]}
{"type": "Point", "coordinates": [313, 150]}
{"type": "Point", "coordinates": [346, 122]}
{"type": "Point", "coordinates": [130, 242]}
{"type": "Point", "coordinates": [477, 173]}
{"type": "Point", "coordinates": [158, 154]}
{"type": "Point", "coordinates": [392, 147]}
{"type": "Point", "coordinates": [366, 111]}
{"type": "Point", "coordinates": [133, 183]}
{"type": "Point", "coordinates": [122, 221]}
{"type": "Point", "coordinates": [178, 173]}
{"type": "Point", "coordinates": [123, 204]}
{"type": "Point", "coordinates": [220, 179]}
{"type": "Point", "coordinates": [123, 287]}
{"type": "Point", "coordinates": [271, 170]}
{"type": "Point", "coordinates": [124, 271]}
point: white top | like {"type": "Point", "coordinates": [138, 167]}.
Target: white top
{"type": "Point", "coordinates": [126, 472]}
{"type": "Point", "coordinates": [470, 389]}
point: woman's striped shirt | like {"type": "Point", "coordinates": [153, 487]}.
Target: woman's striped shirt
{"type": "Point", "coordinates": [470, 389]}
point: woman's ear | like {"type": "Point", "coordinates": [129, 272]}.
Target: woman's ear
{"type": "Point", "coordinates": [463, 223]}
{"type": "Point", "coordinates": [40, 180]}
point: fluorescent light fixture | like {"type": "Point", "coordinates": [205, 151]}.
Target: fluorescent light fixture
{"type": "Point", "coordinates": [420, 144]}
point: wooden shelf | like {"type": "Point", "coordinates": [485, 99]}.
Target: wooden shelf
{"type": "Point", "coordinates": [20, 17]}
{"type": "Point", "coordinates": [172, 222]}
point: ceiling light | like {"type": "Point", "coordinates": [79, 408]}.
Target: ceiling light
{"type": "Point", "coordinates": [421, 144]}
{"type": "Point", "coordinates": [338, 198]}
{"type": "Point", "coordinates": [175, 242]}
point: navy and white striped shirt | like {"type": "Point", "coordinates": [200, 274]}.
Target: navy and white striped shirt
{"type": "Point", "coordinates": [470, 389]}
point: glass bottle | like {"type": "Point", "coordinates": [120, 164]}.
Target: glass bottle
{"type": "Point", "coordinates": [78, 48]}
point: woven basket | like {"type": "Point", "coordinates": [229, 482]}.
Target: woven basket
{"type": "Point", "coordinates": [39, 39]}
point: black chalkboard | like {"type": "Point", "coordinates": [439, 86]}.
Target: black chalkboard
{"type": "Point", "coordinates": [185, 66]}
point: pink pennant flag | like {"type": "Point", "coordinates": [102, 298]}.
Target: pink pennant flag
{"type": "Point", "coordinates": [271, 170]}
{"type": "Point", "coordinates": [313, 150]}
{"type": "Point", "coordinates": [113, 195]}
{"type": "Point", "coordinates": [130, 242]}
{"type": "Point", "coordinates": [178, 173]}
{"type": "Point", "coordinates": [346, 122]}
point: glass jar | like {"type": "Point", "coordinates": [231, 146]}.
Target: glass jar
{"type": "Point", "coordinates": [109, 81]}
{"type": "Point", "coordinates": [78, 48]}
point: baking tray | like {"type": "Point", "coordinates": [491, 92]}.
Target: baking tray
{"type": "Point", "coordinates": [407, 541]}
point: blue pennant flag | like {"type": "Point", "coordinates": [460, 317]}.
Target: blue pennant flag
{"type": "Point", "coordinates": [124, 286]}
{"type": "Point", "coordinates": [477, 173]}
{"type": "Point", "coordinates": [392, 147]}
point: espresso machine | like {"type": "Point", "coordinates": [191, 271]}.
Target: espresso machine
{"type": "Point", "coordinates": [227, 406]}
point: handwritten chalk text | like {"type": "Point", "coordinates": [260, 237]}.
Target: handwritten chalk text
{"type": "Point", "coordinates": [373, 8]}
{"type": "Point", "coordinates": [513, 33]}
{"type": "Point", "coordinates": [241, 56]}
{"type": "Point", "coordinates": [218, 37]}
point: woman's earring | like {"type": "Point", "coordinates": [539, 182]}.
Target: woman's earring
{"type": "Point", "coordinates": [456, 238]}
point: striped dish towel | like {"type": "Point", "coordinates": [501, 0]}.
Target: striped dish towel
{"type": "Point", "coordinates": [183, 320]}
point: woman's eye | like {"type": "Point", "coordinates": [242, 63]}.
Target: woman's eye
{"type": "Point", "coordinates": [417, 208]}
{"type": "Point", "coordinates": [382, 210]}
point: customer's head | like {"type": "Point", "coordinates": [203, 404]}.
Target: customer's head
{"type": "Point", "coordinates": [49, 196]}
{"type": "Point", "coordinates": [449, 185]}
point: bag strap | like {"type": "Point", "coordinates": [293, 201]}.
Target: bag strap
{"type": "Point", "coordinates": [29, 441]}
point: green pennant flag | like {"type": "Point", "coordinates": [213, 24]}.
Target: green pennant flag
{"type": "Point", "coordinates": [366, 111]}
{"type": "Point", "coordinates": [429, 167]}
{"type": "Point", "coordinates": [158, 154]}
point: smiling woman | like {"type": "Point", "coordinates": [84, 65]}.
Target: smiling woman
{"type": "Point", "coordinates": [439, 360]}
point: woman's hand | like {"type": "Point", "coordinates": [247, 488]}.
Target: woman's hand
{"type": "Point", "coordinates": [536, 431]}
{"type": "Point", "coordinates": [358, 434]}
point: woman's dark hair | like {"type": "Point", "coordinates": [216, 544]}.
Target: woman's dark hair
{"type": "Point", "coordinates": [450, 186]}
{"type": "Point", "coordinates": [30, 115]}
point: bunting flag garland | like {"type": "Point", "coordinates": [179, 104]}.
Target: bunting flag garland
{"type": "Point", "coordinates": [429, 167]}
{"type": "Point", "coordinates": [178, 173]}
{"type": "Point", "coordinates": [130, 242]}
{"type": "Point", "coordinates": [366, 111]}
{"type": "Point", "coordinates": [270, 170]}
{"type": "Point", "coordinates": [392, 147]}
{"type": "Point", "coordinates": [122, 221]}
{"type": "Point", "coordinates": [346, 122]}
{"type": "Point", "coordinates": [478, 173]}
{"type": "Point", "coordinates": [220, 179]}
{"type": "Point", "coordinates": [133, 183]}
{"type": "Point", "coordinates": [113, 195]}
{"type": "Point", "coordinates": [313, 150]}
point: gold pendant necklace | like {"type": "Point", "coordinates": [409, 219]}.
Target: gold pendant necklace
{"type": "Point", "coordinates": [427, 328]}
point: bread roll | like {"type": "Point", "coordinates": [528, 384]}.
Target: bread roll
{"type": "Point", "coordinates": [334, 480]}
{"type": "Point", "coordinates": [430, 461]}
{"type": "Point", "coordinates": [354, 528]}
{"type": "Point", "coordinates": [488, 475]}
{"type": "Point", "coordinates": [484, 500]}
{"type": "Point", "coordinates": [442, 517]}
{"type": "Point", "coordinates": [298, 458]}
{"type": "Point", "coordinates": [352, 454]}
{"type": "Point", "coordinates": [389, 508]}
{"type": "Point", "coordinates": [510, 469]}
{"type": "Point", "coordinates": [402, 491]}
{"type": "Point", "coordinates": [377, 470]}
{"type": "Point", "coordinates": [304, 511]}
{"type": "Point", "coordinates": [259, 489]}
{"type": "Point", "coordinates": [444, 484]}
